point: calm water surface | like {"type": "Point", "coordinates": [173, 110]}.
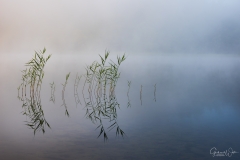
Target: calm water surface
{"type": "Point", "coordinates": [177, 107]}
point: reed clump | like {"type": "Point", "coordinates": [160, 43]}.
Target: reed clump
{"type": "Point", "coordinates": [101, 80]}
{"type": "Point", "coordinates": [32, 77]}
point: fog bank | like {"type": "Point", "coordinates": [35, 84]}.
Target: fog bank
{"type": "Point", "coordinates": [207, 26]}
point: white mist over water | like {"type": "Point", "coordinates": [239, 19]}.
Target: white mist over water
{"type": "Point", "coordinates": [126, 26]}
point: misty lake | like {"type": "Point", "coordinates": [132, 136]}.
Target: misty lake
{"type": "Point", "coordinates": [164, 107]}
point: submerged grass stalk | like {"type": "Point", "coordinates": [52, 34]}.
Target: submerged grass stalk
{"type": "Point", "coordinates": [63, 91]}
{"type": "Point", "coordinates": [76, 96]}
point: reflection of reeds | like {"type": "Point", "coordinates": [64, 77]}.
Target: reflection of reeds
{"type": "Point", "coordinates": [100, 83]}
{"type": "Point", "coordinates": [98, 111]}
{"type": "Point", "coordinates": [52, 98]}
{"type": "Point", "coordinates": [101, 80]}
{"type": "Point", "coordinates": [33, 110]}
{"type": "Point", "coordinates": [129, 103]}
{"type": "Point", "coordinates": [129, 85]}
{"type": "Point", "coordinates": [155, 89]}
{"type": "Point", "coordinates": [63, 91]}
{"type": "Point", "coordinates": [77, 81]}
{"type": "Point", "coordinates": [20, 87]}
{"type": "Point", "coordinates": [141, 94]}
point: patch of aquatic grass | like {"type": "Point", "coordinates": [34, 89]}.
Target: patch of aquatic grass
{"type": "Point", "coordinates": [101, 80]}
{"type": "Point", "coordinates": [99, 76]}
{"type": "Point", "coordinates": [32, 76]}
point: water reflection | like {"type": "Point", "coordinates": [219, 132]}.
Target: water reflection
{"type": "Point", "coordinates": [196, 104]}
{"type": "Point", "coordinates": [155, 90]}
{"type": "Point", "coordinates": [52, 98]}
{"type": "Point", "coordinates": [103, 111]}
{"type": "Point", "coordinates": [129, 102]}
{"type": "Point", "coordinates": [32, 108]}
{"type": "Point", "coordinates": [141, 94]}
{"type": "Point", "coordinates": [76, 95]}
{"type": "Point", "coordinates": [98, 94]}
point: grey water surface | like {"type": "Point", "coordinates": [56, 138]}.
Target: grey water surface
{"type": "Point", "coordinates": [176, 107]}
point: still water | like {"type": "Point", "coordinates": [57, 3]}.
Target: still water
{"type": "Point", "coordinates": [170, 107]}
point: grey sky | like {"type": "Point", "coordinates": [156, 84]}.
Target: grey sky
{"type": "Point", "coordinates": [159, 26]}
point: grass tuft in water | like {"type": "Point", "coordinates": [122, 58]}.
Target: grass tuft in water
{"type": "Point", "coordinates": [101, 103]}
{"type": "Point", "coordinates": [32, 77]}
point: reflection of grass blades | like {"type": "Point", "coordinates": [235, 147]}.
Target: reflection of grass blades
{"type": "Point", "coordinates": [37, 120]}
{"type": "Point", "coordinates": [52, 85]}
{"type": "Point", "coordinates": [104, 110]}
{"type": "Point", "coordinates": [33, 110]}
{"type": "Point", "coordinates": [102, 131]}
{"type": "Point", "coordinates": [101, 80]}
{"type": "Point", "coordinates": [141, 95]}
{"type": "Point", "coordinates": [63, 91]}
{"type": "Point", "coordinates": [129, 85]}
{"type": "Point", "coordinates": [77, 80]}
{"type": "Point", "coordinates": [155, 86]}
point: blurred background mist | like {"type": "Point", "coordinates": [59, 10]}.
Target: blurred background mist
{"type": "Point", "coordinates": [136, 26]}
